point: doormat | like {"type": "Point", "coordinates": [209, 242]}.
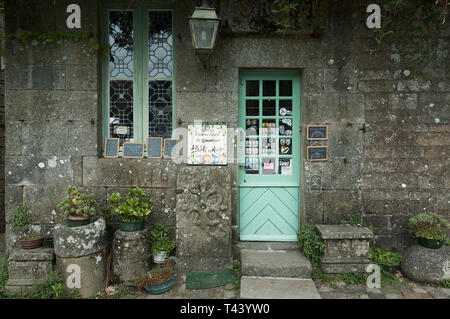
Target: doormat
{"type": "Point", "coordinates": [209, 279]}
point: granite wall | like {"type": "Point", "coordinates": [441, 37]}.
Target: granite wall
{"type": "Point", "coordinates": [394, 168]}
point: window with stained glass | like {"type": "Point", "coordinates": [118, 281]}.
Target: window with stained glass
{"type": "Point", "coordinates": [139, 73]}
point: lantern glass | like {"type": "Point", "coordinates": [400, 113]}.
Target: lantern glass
{"type": "Point", "coordinates": [204, 33]}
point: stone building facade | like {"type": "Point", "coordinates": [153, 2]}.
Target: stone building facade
{"type": "Point", "coordinates": [388, 122]}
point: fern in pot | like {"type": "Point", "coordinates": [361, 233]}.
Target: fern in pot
{"type": "Point", "coordinates": [133, 209]}
{"type": "Point", "coordinates": [430, 229]}
{"type": "Point", "coordinates": [78, 207]}
{"type": "Point", "coordinates": [20, 224]}
{"type": "Point", "coordinates": [161, 244]}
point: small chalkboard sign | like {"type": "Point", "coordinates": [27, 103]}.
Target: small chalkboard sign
{"type": "Point", "coordinates": [111, 147]}
{"type": "Point", "coordinates": [316, 132]}
{"type": "Point", "coordinates": [154, 147]}
{"type": "Point", "coordinates": [133, 150]}
{"type": "Point", "coordinates": [317, 153]}
{"type": "Point", "coordinates": [169, 144]}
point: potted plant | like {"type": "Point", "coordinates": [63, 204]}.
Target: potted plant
{"type": "Point", "coordinates": [133, 209]}
{"type": "Point", "coordinates": [430, 229]}
{"type": "Point", "coordinates": [156, 281]}
{"type": "Point", "coordinates": [78, 207]}
{"type": "Point", "coordinates": [161, 244]}
{"type": "Point", "coordinates": [20, 224]}
{"type": "Point", "coordinates": [388, 261]}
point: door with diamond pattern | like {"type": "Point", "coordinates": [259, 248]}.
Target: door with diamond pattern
{"type": "Point", "coordinates": [269, 172]}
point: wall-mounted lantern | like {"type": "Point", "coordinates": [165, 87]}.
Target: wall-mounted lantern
{"type": "Point", "coordinates": [204, 25]}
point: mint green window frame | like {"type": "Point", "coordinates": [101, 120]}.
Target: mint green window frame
{"type": "Point", "coordinates": [140, 66]}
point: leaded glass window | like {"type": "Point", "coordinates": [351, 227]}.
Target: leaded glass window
{"type": "Point", "coordinates": [140, 70]}
{"type": "Point", "coordinates": [160, 65]}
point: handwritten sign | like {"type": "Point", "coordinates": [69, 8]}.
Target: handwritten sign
{"type": "Point", "coordinates": [207, 144]}
{"type": "Point", "coordinates": [154, 147]}
{"type": "Point", "coordinates": [169, 144]}
{"type": "Point", "coordinates": [317, 132]}
{"type": "Point", "coordinates": [111, 147]}
{"type": "Point", "coordinates": [133, 150]}
{"type": "Point", "coordinates": [317, 153]}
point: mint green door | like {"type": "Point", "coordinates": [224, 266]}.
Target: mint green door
{"type": "Point", "coordinates": [269, 172]}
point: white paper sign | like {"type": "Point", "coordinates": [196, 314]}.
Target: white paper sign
{"type": "Point", "coordinates": [207, 144]}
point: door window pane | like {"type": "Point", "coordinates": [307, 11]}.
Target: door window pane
{"type": "Point", "coordinates": [251, 165]}
{"type": "Point", "coordinates": [268, 166]}
{"type": "Point", "coordinates": [285, 88]}
{"type": "Point", "coordinates": [285, 166]}
{"type": "Point", "coordinates": [269, 88]}
{"type": "Point", "coordinates": [269, 146]}
{"type": "Point", "coordinates": [285, 108]}
{"type": "Point", "coordinates": [251, 146]}
{"type": "Point", "coordinates": [269, 107]}
{"type": "Point", "coordinates": [285, 127]}
{"type": "Point", "coordinates": [252, 88]}
{"type": "Point", "coordinates": [268, 127]}
{"type": "Point", "coordinates": [252, 127]}
{"type": "Point", "coordinates": [252, 107]}
{"type": "Point", "coordinates": [285, 146]}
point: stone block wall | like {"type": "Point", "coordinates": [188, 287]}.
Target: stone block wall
{"type": "Point", "coordinates": [2, 133]}
{"type": "Point", "coordinates": [396, 168]}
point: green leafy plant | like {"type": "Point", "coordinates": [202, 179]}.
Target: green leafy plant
{"type": "Point", "coordinates": [381, 256]}
{"type": "Point", "coordinates": [353, 278]}
{"type": "Point", "coordinates": [429, 226]}
{"type": "Point", "coordinates": [446, 283]}
{"type": "Point", "coordinates": [52, 287]}
{"type": "Point", "coordinates": [21, 221]}
{"type": "Point", "coordinates": [311, 244]}
{"type": "Point", "coordinates": [3, 275]}
{"type": "Point", "coordinates": [355, 219]}
{"type": "Point", "coordinates": [236, 267]}
{"type": "Point", "coordinates": [156, 276]}
{"type": "Point", "coordinates": [136, 206]}
{"type": "Point", "coordinates": [160, 240]}
{"type": "Point", "coordinates": [77, 203]}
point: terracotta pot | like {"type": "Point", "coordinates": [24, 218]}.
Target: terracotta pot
{"type": "Point", "coordinates": [32, 244]}
{"type": "Point", "coordinates": [77, 221]}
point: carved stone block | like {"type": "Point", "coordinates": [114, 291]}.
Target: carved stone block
{"type": "Point", "coordinates": [204, 218]}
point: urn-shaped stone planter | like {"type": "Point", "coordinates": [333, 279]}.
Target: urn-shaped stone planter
{"type": "Point", "coordinates": [131, 255]}
{"type": "Point", "coordinates": [81, 256]}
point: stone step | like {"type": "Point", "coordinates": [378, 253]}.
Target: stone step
{"type": "Point", "coordinates": [275, 263]}
{"type": "Point", "coordinates": [253, 287]}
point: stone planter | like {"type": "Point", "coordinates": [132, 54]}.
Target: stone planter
{"type": "Point", "coordinates": [130, 255]}
{"type": "Point", "coordinates": [346, 248]}
{"type": "Point", "coordinates": [426, 265]}
{"type": "Point", "coordinates": [26, 267]}
{"type": "Point", "coordinates": [82, 249]}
